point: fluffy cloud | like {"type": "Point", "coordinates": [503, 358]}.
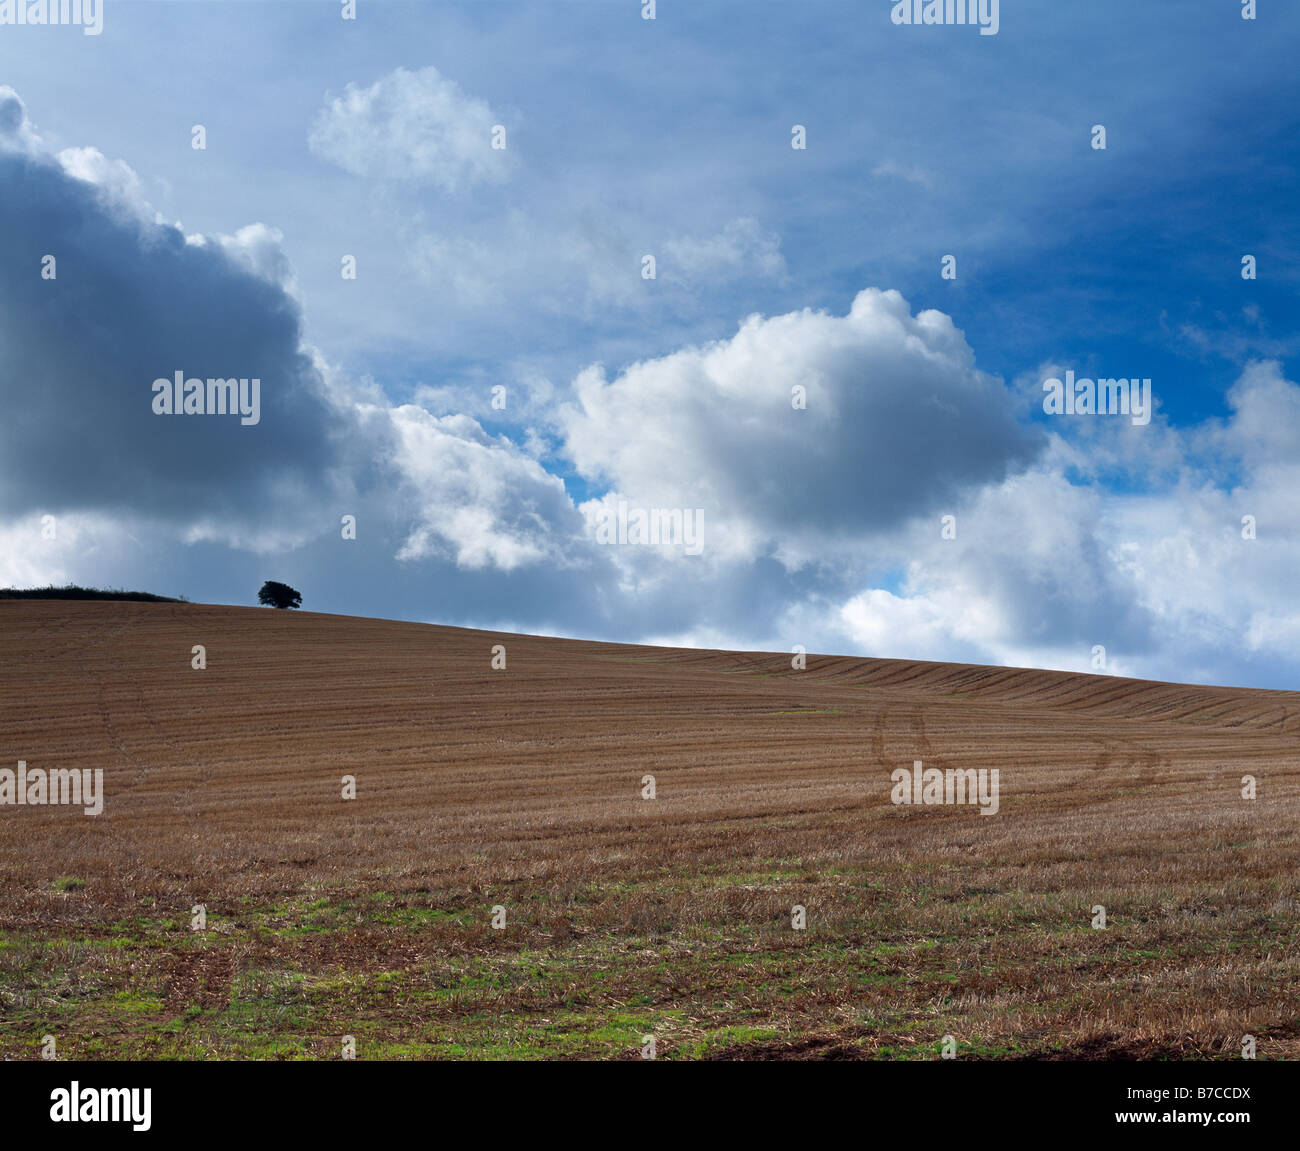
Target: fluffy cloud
{"type": "Point", "coordinates": [481, 500]}
{"type": "Point", "coordinates": [416, 126]}
{"type": "Point", "coordinates": [1032, 577]}
{"type": "Point", "coordinates": [1049, 560]}
{"type": "Point", "coordinates": [1166, 579]}
{"type": "Point", "coordinates": [898, 421]}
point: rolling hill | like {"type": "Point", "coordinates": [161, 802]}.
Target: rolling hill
{"type": "Point", "coordinates": [521, 789]}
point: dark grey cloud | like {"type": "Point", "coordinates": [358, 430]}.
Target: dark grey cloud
{"type": "Point", "coordinates": [132, 302]}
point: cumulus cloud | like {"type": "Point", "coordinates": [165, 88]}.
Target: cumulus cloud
{"type": "Point", "coordinates": [1032, 576]}
{"type": "Point", "coordinates": [1049, 562]}
{"type": "Point", "coordinates": [479, 499]}
{"type": "Point", "coordinates": [1167, 579]}
{"type": "Point", "coordinates": [898, 419]}
{"type": "Point", "coordinates": [1263, 431]}
{"type": "Point", "coordinates": [414, 126]}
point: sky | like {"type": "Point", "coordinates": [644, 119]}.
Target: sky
{"type": "Point", "coordinates": [789, 279]}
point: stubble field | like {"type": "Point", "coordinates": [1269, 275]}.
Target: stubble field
{"type": "Point", "coordinates": [522, 789]}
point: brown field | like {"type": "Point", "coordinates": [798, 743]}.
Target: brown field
{"type": "Point", "coordinates": [625, 917]}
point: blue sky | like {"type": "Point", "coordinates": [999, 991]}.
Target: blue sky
{"type": "Point", "coordinates": [522, 268]}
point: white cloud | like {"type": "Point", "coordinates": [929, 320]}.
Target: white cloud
{"type": "Point", "coordinates": [933, 626]}
{"type": "Point", "coordinates": [1049, 562]}
{"type": "Point", "coordinates": [42, 549]}
{"type": "Point", "coordinates": [91, 165]}
{"type": "Point", "coordinates": [29, 560]}
{"type": "Point", "coordinates": [416, 126]}
{"type": "Point", "coordinates": [260, 249]}
{"type": "Point", "coordinates": [477, 499]}
{"type": "Point", "coordinates": [897, 417]}
{"type": "Point", "coordinates": [1044, 569]}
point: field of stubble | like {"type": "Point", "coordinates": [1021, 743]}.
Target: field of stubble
{"type": "Point", "coordinates": [625, 917]}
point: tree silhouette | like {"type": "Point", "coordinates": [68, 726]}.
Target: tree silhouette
{"type": "Point", "coordinates": [276, 594]}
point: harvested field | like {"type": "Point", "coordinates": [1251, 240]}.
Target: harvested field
{"type": "Point", "coordinates": [625, 917]}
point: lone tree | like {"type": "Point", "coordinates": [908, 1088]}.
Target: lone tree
{"type": "Point", "coordinates": [275, 594]}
